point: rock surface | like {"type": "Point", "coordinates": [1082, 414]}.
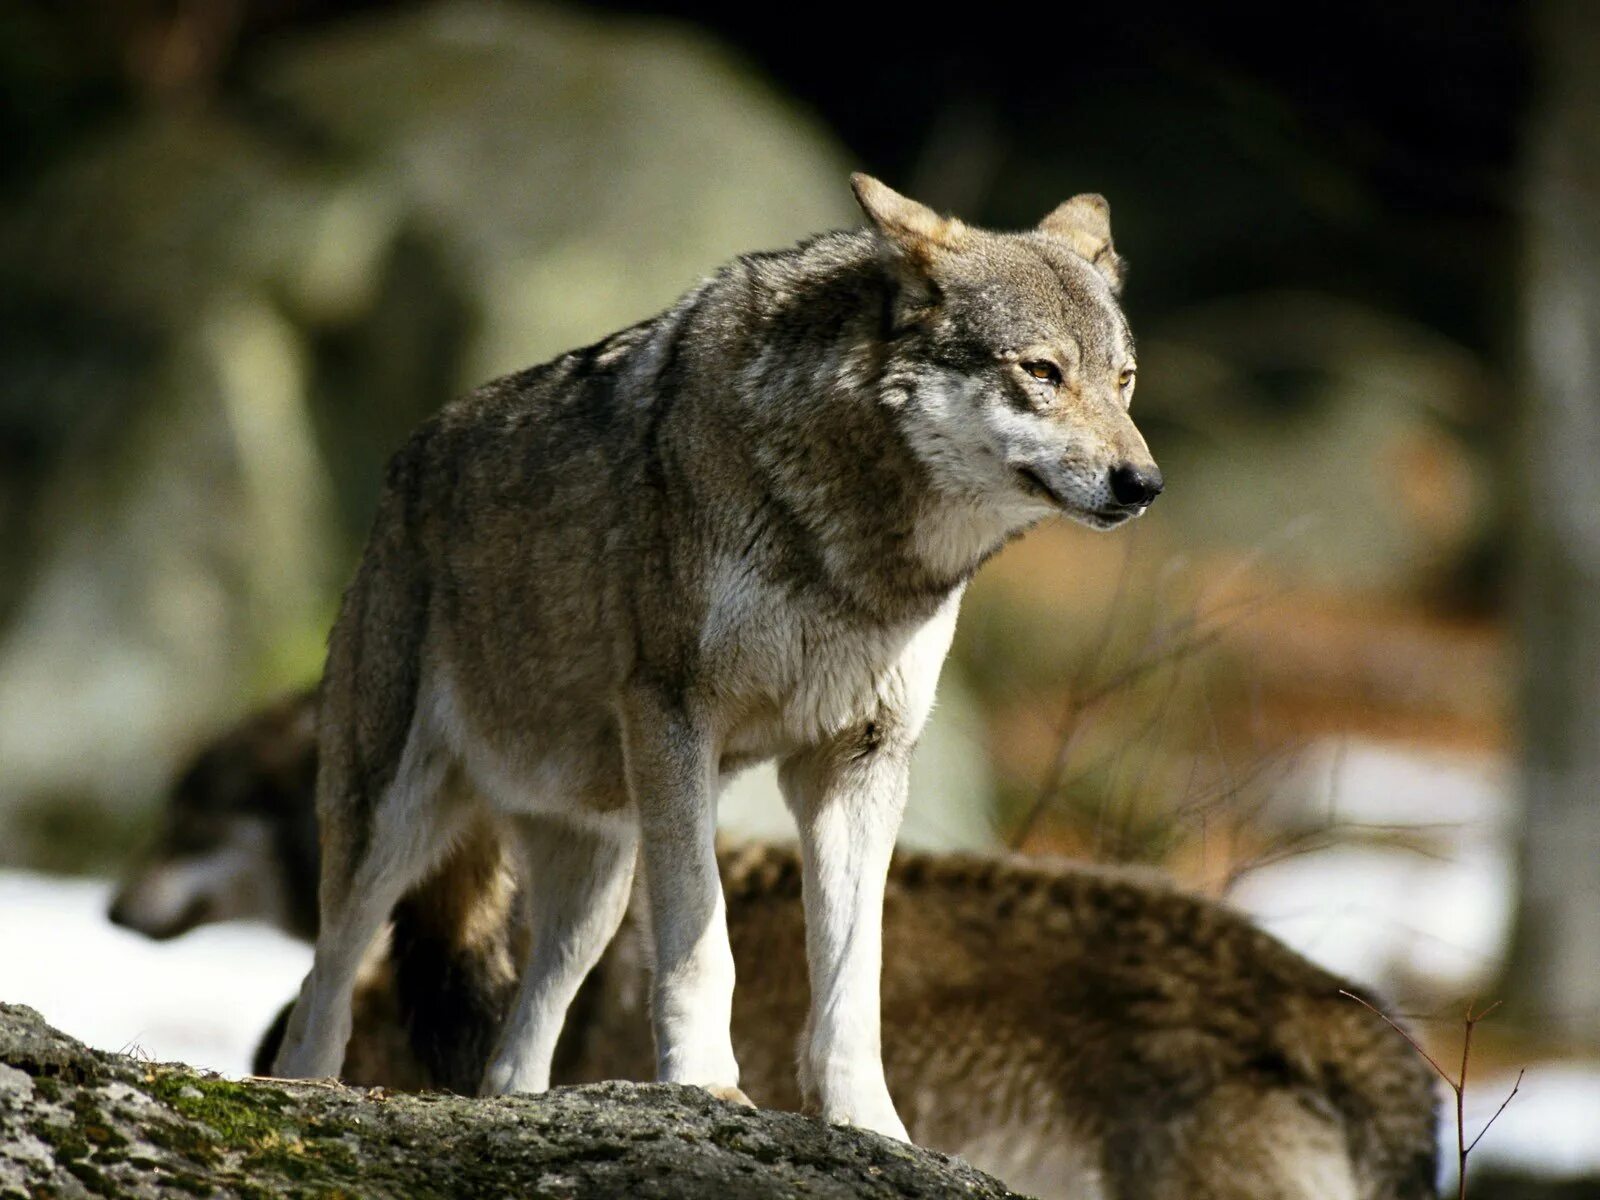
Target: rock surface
{"type": "Point", "coordinates": [75, 1122]}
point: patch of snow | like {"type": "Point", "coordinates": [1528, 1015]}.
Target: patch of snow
{"type": "Point", "coordinates": [1392, 916]}
{"type": "Point", "coordinates": [203, 999]}
{"type": "Point", "coordinates": [1366, 780]}
{"type": "Point", "coordinates": [1552, 1128]}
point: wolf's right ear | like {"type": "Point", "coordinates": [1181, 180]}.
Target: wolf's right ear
{"type": "Point", "coordinates": [1084, 222]}
{"type": "Point", "coordinates": [914, 231]}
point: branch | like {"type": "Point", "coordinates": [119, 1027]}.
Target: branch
{"type": "Point", "coordinates": [1457, 1085]}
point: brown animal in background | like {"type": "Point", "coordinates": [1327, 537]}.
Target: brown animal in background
{"type": "Point", "coordinates": [1077, 1031]}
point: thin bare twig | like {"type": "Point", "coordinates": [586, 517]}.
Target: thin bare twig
{"type": "Point", "coordinates": [1515, 1088]}
{"type": "Point", "coordinates": [1174, 642]}
{"type": "Point", "coordinates": [1458, 1085]}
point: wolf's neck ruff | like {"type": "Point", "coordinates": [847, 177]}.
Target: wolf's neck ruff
{"type": "Point", "coordinates": [808, 429]}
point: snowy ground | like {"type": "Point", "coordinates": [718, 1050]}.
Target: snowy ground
{"type": "Point", "coordinates": [1397, 918]}
{"type": "Point", "coordinates": [1551, 1128]}
{"type": "Point", "coordinates": [203, 999]}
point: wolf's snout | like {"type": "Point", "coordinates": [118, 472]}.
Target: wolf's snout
{"type": "Point", "coordinates": [1134, 486]}
{"type": "Point", "coordinates": [120, 914]}
{"type": "Point", "coordinates": [128, 913]}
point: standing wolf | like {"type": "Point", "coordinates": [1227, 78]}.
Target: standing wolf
{"type": "Point", "coordinates": [736, 532]}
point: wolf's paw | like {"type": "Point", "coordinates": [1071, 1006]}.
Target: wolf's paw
{"type": "Point", "coordinates": [731, 1094]}
{"type": "Point", "coordinates": [887, 1123]}
{"type": "Point", "coordinates": [869, 1111]}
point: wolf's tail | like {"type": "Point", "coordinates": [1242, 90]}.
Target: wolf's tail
{"type": "Point", "coordinates": [458, 940]}
{"type": "Point", "coordinates": [428, 1016]}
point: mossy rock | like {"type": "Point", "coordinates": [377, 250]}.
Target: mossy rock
{"type": "Point", "coordinates": [77, 1123]}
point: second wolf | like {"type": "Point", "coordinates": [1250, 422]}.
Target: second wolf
{"type": "Point", "coordinates": [733, 533]}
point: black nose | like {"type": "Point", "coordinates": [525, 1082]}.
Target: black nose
{"type": "Point", "coordinates": [1135, 486]}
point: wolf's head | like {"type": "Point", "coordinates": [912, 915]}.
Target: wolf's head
{"type": "Point", "coordinates": [1014, 361]}
{"type": "Point", "coordinates": [239, 835]}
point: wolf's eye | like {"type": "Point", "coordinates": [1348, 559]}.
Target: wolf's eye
{"type": "Point", "coordinates": [1125, 381]}
{"type": "Point", "coordinates": [1046, 371]}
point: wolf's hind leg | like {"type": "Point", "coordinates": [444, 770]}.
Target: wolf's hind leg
{"type": "Point", "coordinates": [847, 802]}
{"type": "Point", "coordinates": [408, 830]}
{"type": "Point", "coordinates": [579, 872]}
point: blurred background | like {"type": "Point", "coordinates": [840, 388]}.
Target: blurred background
{"type": "Point", "coordinates": [1346, 675]}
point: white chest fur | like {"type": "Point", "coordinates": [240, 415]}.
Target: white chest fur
{"type": "Point", "coordinates": [786, 675]}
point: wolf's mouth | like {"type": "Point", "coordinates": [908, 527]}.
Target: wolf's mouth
{"type": "Point", "coordinates": [1101, 518]}
{"type": "Point", "coordinates": [1107, 518]}
{"type": "Point", "coordinates": [1034, 484]}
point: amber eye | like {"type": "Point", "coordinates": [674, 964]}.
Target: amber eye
{"type": "Point", "coordinates": [1126, 380]}
{"type": "Point", "coordinates": [1047, 371]}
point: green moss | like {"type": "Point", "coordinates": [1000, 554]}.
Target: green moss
{"type": "Point", "coordinates": [248, 1121]}
{"type": "Point", "coordinates": [309, 1162]}
{"type": "Point", "coordinates": [181, 1139]}
{"type": "Point", "coordinates": [92, 1127]}
{"type": "Point", "coordinates": [65, 1142]}
{"type": "Point", "coordinates": [242, 1117]}
{"type": "Point", "coordinates": [47, 1088]}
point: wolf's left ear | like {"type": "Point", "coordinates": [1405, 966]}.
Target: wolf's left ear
{"type": "Point", "coordinates": [1085, 223]}
{"type": "Point", "coordinates": [914, 230]}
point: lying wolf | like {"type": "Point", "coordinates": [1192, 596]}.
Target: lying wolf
{"type": "Point", "coordinates": [1079, 1032]}
{"type": "Point", "coordinates": [737, 532]}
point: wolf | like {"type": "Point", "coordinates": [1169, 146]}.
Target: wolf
{"type": "Point", "coordinates": [736, 532]}
{"type": "Point", "coordinates": [238, 834]}
{"type": "Point", "coordinates": [1078, 1031]}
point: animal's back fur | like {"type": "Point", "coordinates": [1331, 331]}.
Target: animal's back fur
{"type": "Point", "coordinates": [1081, 1032]}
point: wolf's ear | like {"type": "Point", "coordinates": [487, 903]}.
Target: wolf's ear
{"type": "Point", "coordinates": [913, 230]}
{"type": "Point", "coordinates": [1084, 222]}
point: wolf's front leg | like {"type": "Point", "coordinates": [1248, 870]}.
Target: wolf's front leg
{"type": "Point", "coordinates": [847, 799]}
{"type": "Point", "coordinates": [671, 773]}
